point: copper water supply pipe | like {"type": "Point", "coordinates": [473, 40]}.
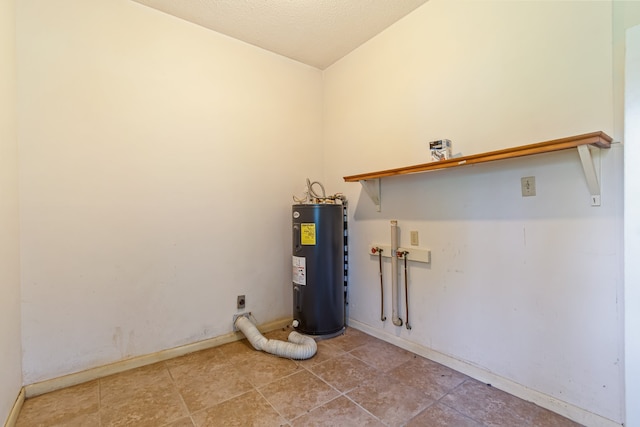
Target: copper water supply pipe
{"type": "Point", "coordinates": [406, 286]}
{"type": "Point", "coordinates": [379, 252]}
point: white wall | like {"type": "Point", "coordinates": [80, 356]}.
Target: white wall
{"type": "Point", "coordinates": [527, 290]}
{"type": "Point", "coordinates": [157, 164]}
{"type": "Point", "coordinates": [632, 227]}
{"type": "Point", "coordinates": [158, 160]}
{"type": "Point", "coordinates": [626, 14]}
{"type": "Point", "coordinates": [10, 355]}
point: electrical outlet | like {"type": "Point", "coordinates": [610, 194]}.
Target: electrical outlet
{"type": "Point", "coordinates": [241, 302]}
{"type": "Point", "coordinates": [528, 184]}
{"type": "Point", "coordinates": [414, 238]}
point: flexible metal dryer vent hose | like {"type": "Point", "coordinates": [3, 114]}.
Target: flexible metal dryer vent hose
{"type": "Point", "coordinates": [299, 346]}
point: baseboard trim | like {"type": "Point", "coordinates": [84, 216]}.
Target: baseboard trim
{"type": "Point", "coordinates": [69, 380]}
{"type": "Point", "coordinates": [565, 409]}
{"type": "Point", "coordinates": [15, 410]}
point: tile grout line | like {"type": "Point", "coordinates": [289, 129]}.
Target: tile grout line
{"type": "Point", "coordinates": [351, 389]}
{"type": "Point", "coordinates": [254, 387]}
{"type": "Point", "coordinates": [300, 367]}
{"type": "Point", "coordinates": [322, 404]}
{"type": "Point", "coordinates": [455, 409]}
{"type": "Point", "coordinates": [364, 409]}
{"type": "Point", "coordinates": [386, 373]}
{"type": "Point", "coordinates": [273, 407]}
{"type": "Point", "coordinates": [311, 373]}
{"type": "Point", "coordinates": [177, 389]}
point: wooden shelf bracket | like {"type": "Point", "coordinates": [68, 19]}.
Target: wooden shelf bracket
{"type": "Point", "coordinates": [590, 174]}
{"type": "Point", "coordinates": [372, 187]}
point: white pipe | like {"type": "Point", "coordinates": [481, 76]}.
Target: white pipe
{"type": "Point", "coordinates": [299, 346]}
{"type": "Point", "coordinates": [394, 274]}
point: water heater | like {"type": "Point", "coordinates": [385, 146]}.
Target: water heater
{"type": "Point", "coordinates": [318, 269]}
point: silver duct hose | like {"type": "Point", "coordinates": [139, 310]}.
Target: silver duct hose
{"type": "Point", "coordinates": [299, 346]}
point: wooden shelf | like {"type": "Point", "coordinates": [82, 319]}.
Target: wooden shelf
{"type": "Point", "coordinates": [598, 139]}
{"type": "Point", "coordinates": [371, 180]}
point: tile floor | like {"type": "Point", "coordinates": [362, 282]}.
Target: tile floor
{"type": "Point", "coordinates": [354, 380]}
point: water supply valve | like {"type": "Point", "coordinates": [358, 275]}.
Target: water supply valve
{"type": "Point", "coordinates": [412, 254]}
{"type": "Point", "coordinates": [402, 254]}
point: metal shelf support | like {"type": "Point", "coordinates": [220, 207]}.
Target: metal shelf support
{"type": "Point", "coordinates": [372, 187]}
{"type": "Point", "coordinates": [590, 174]}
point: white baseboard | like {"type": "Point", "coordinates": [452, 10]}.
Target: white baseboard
{"type": "Point", "coordinates": [58, 383]}
{"type": "Point", "coordinates": [15, 410]}
{"type": "Point", "coordinates": [567, 410]}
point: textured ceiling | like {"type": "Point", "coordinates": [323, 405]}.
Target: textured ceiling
{"type": "Point", "coordinates": [315, 32]}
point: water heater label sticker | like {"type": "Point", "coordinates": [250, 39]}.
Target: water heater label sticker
{"type": "Point", "coordinates": [308, 234]}
{"type": "Point", "coordinates": [299, 271]}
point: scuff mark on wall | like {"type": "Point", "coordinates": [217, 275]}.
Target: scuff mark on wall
{"type": "Point", "coordinates": [127, 350]}
{"type": "Point", "coordinates": [117, 340]}
{"type": "Point", "coordinates": [131, 345]}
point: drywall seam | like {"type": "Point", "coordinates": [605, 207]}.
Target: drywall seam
{"type": "Point", "coordinates": [58, 383]}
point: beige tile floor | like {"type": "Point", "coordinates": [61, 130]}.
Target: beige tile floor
{"type": "Point", "coordinates": [354, 380]}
